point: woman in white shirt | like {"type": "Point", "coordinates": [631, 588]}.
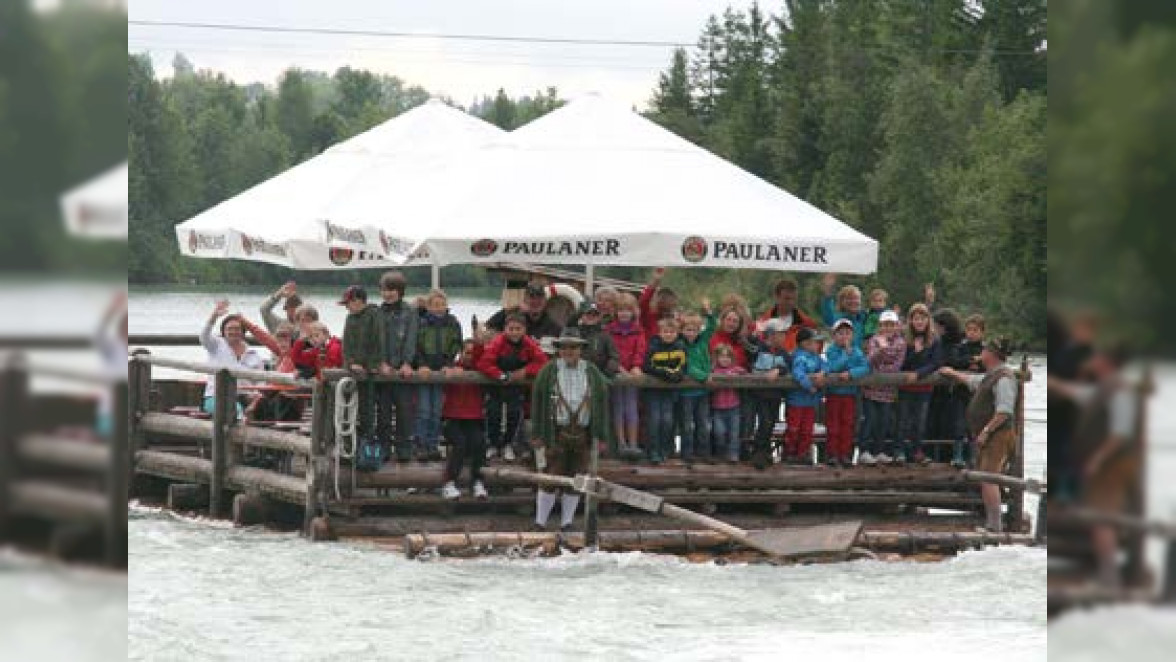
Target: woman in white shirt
{"type": "Point", "coordinates": [229, 350]}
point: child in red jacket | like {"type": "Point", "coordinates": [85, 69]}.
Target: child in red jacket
{"type": "Point", "coordinates": [463, 416]}
{"type": "Point", "coordinates": [320, 350]}
{"type": "Point", "coordinates": [508, 359]}
{"type": "Point", "coordinates": [629, 337]}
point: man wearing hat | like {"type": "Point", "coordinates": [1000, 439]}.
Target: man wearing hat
{"type": "Point", "coordinates": [289, 292]}
{"type": "Point", "coordinates": [990, 419]}
{"type": "Point", "coordinates": [569, 410]}
{"type": "Point", "coordinates": [534, 308]}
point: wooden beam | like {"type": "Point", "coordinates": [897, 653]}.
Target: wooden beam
{"type": "Point", "coordinates": [118, 479]}
{"type": "Point", "coordinates": [267, 376]}
{"type": "Point", "coordinates": [14, 398]}
{"type": "Point", "coordinates": [76, 454]}
{"type": "Point", "coordinates": [56, 503]}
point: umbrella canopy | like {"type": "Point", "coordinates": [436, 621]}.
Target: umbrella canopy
{"type": "Point", "coordinates": [595, 183]}
{"type": "Point", "coordinates": [98, 208]}
{"type": "Point", "coordinates": [285, 220]}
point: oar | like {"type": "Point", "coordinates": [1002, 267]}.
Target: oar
{"type": "Point", "coordinates": [781, 543]}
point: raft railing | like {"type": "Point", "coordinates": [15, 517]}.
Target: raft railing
{"type": "Point", "coordinates": [78, 487]}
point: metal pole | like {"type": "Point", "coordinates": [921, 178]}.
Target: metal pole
{"type": "Point", "coordinates": [436, 276]}
{"type": "Point", "coordinates": [589, 280]}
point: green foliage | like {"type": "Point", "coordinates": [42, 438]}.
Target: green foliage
{"type": "Point", "coordinates": [921, 124]}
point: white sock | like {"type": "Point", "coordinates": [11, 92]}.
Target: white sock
{"type": "Point", "coordinates": [544, 503]}
{"type": "Point", "coordinates": [567, 508]}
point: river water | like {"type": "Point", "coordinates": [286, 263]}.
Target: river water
{"type": "Point", "coordinates": [199, 590]}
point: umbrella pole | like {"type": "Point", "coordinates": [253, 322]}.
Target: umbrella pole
{"type": "Point", "coordinates": [589, 276]}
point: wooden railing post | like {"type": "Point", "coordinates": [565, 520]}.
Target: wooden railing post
{"type": "Point", "coordinates": [224, 415]}
{"type": "Point", "coordinates": [1016, 516]}
{"type": "Point", "coordinates": [118, 478]}
{"type": "Point", "coordinates": [316, 470]}
{"type": "Point", "coordinates": [138, 403]}
{"type": "Point", "coordinates": [14, 394]}
{"type": "Point", "coordinates": [1135, 544]}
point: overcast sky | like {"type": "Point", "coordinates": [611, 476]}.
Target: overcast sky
{"type": "Point", "coordinates": [463, 70]}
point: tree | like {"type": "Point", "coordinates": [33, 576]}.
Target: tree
{"type": "Point", "coordinates": [295, 111]}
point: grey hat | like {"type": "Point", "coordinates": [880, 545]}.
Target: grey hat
{"type": "Point", "coordinates": [570, 336]}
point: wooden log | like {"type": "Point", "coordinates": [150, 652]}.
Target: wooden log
{"type": "Point", "coordinates": [39, 342]}
{"type": "Point", "coordinates": [176, 467]}
{"type": "Point", "coordinates": [1136, 546]}
{"type": "Point", "coordinates": [1085, 517]}
{"type": "Point", "coordinates": [72, 374]}
{"type": "Point", "coordinates": [265, 376]}
{"type": "Point", "coordinates": [321, 530]}
{"type": "Point", "coordinates": [282, 487]}
{"type": "Point", "coordinates": [679, 541]}
{"type": "Point", "coordinates": [321, 427]}
{"type": "Point", "coordinates": [56, 503]}
{"type": "Point", "coordinates": [187, 496]}
{"type": "Point", "coordinates": [910, 479]}
{"type": "Point", "coordinates": [173, 340]}
{"type": "Point", "coordinates": [250, 509]}
{"type": "Point", "coordinates": [138, 403]}
{"type": "Point", "coordinates": [118, 479]}
{"type": "Point", "coordinates": [75, 454]}
{"type": "Point", "coordinates": [14, 397]}
{"type": "Point", "coordinates": [1031, 485]}
{"type": "Point", "coordinates": [184, 427]}
{"type": "Point", "coordinates": [224, 415]}
{"type": "Point", "coordinates": [1016, 515]}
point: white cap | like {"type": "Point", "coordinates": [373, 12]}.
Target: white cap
{"type": "Point", "coordinates": [844, 321]}
{"type": "Point", "coordinates": [888, 316]}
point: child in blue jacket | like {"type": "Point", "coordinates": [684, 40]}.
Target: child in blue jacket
{"type": "Point", "coordinates": [808, 369]}
{"type": "Point", "coordinates": [843, 362]}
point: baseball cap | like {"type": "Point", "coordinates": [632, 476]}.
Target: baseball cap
{"type": "Point", "coordinates": [804, 334]}
{"type": "Point", "coordinates": [353, 293]}
{"type": "Point", "coordinates": [844, 321]}
{"type": "Point", "coordinates": [536, 290]}
{"type": "Point", "coordinates": [888, 316]}
{"type": "Point", "coordinates": [590, 308]}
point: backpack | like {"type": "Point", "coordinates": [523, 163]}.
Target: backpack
{"type": "Point", "coordinates": [369, 455]}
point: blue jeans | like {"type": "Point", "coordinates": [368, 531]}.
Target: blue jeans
{"type": "Point", "coordinates": [878, 416]}
{"type": "Point", "coordinates": [661, 422]}
{"type": "Point", "coordinates": [209, 407]}
{"type": "Point", "coordinates": [428, 423]}
{"type": "Point", "coordinates": [726, 426]}
{"type": "Point", "coordinates": [912, 420]}
{"type": "Point", "coordinates": [696, 425]}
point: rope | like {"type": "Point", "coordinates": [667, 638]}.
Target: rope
{"type": "Point", "coordinates": [346, 416]}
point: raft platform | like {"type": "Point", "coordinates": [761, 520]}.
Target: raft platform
{"type": "Point", "coordinates": [193, 463]}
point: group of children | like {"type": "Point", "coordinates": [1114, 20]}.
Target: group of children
{"type": "Point", "coordinates": [650, 335]}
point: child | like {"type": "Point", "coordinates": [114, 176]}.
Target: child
{"type": "Point", "coordinates": [438, 342]}
{"type": "Point", "coordinates": [270, 405]}
{"type": "Point", "coordinates": [970, 348]}
{"type": "Point", "coordinates": [509, 358]}
{"type": "Point", "coordinates": [878, 303]}
{"type": "Point", "coordinates": [725, 410]}
{"type": "Point", "coordinates": [696, 431]}
{"type": "Point", "coordinates": [656, 303]}
{"type": "Point", "coordinates": [800, 413]}
{"type": "Point", "coordinates": [318, 350]}
{"type": "Point", "coordinates": [923, 357]}
{"type": "Point", "coordinates": [843, 362]}
{"type": "Point", "coordinates": [401, 325]}
{"type": "Point", "coordinates": [885, 352]}
{"type": "Point", "coordinates": [664, 360]}
{"type": "Point", "coordinates": [363, 350]}
{"type": "Point", "coordinates": [464, 426]}
{"type": "Point", "coordinates": [629, 338]}
{"type": "Point", "coordinates": [771, 362]}
{"type": "Point", "coordinates": [974, 328]}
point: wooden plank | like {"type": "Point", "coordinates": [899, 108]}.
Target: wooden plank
{"type": "Point", "coordinates": [176, 467]}
{"type": "Point", "coordinates": [14, 398]}
{"type": "Point", "coordinates": [57, 503]}
{"type": "Point", "coordinates": [798, 542]}
{"type": "Point", "coordinates": [118, 479]}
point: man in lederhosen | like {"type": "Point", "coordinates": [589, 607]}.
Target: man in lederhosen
{"type": "Point", "coordinates": [990, 419]}
{"type": "Point", "coordinates": [569, 410]}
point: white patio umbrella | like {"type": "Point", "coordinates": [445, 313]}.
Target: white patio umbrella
{"type": "Point", "coordinates": [98, 208]}
{"type": "Point", "coordinates": [284, 219]}
{"type": "Point", "coordinates": [594, 183]}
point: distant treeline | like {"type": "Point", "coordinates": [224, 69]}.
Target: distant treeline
{"type": "Point", "coordinates": [921, 124]}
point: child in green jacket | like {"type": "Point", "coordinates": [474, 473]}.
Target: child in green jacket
{"type": "Point", "coordinates": [696, 415]}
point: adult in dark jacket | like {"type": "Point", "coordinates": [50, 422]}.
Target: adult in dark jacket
{"type": "Point", "coordinates": [363, 349]}
{"type": "Point", "coordinates": [534, 311]}
{"type": "Point", "coordinates": [924, 355]}
{"type": "Point", "coordinates": [946, 417]}
{"type": "Point", "coordinates": [401, 325]}
{"type": "Point", "coordinates": [599, 348]}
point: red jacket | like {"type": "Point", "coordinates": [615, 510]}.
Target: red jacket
{"type": "Point", "coordinates": [311, 357]}
{"type": "Point", "coordinates": [631, 345]}
{"type": "Point", "coordinates": [799, 319]}
{"type": "Point", "coordinates": [465, 401]}
{"type": "Point", "coordinates": [527, 352]}
{"type": "Point", "coordinates": [737, 351]}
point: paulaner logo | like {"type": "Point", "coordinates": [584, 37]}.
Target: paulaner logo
{"type": "Point", "coordinates": [341, 256]}
{"type": "Point", "coordinates": [593, 247]}
{"type": "Point", "coordinates": [484, 248]}
{"type": "Point", "coordinates": [340, 233]}
{"type": "Point", "coordinates": [694, 249]}
{"type": "Point", "coordinates": [198, 241]}
{"type": "Point", "coordinates": [255, 244]}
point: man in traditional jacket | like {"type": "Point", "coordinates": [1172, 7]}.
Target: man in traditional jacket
{"type": "Point", "coordinates": [990, 418]}
{"type": "Point", "coordinates": [569, 410]}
